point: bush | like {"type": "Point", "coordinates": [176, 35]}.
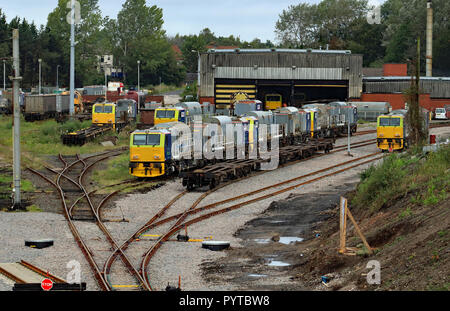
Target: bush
{"type": "Point", "coordinates": [399, 174]}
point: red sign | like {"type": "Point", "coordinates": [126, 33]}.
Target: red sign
{"type": "Point", "coordinates": [47, 284]}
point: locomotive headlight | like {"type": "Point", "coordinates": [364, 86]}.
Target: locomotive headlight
{"type": "Point", "coordinates": [109, 121]}
{"type": "Point", "coordinates": [156, 157]}
{"type": "Point", "coordinates": [95, 120]}
{"type": "Point", "coordinates": [381, 135]}
{"type": "Point", "coordinates": [397, 135]}
{"type": "Point", "coordinates": [135, 157]}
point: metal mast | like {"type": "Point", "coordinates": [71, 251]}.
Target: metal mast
{"type": "Point", "coordinates": [72, 56]}
{"type": "Point", "coordinates": [16, 130]}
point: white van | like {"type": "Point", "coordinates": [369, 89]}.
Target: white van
{"type": "Point", "coordinates": [440, 114]}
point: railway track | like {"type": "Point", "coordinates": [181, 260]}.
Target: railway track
{"type": "Point", "coordinates": [152, 223]}
{"type": "Point", "coordinates": [24, 272]}
{"type": "Point", "coordinates": [181, 222]}
{"type": "Point", "coordinates": [67, 194]}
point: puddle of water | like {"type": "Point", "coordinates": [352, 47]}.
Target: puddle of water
{"type": "Point", "coordinates": [290, 239]}
{"type": "Point", "coordinates": [257, 275]}
{"type": "Point", "coordinates": [284, 239]}
{"type": "Point", "coordinates": [275, 263]}
{"type": "Point", "coordinates": [276, 221]}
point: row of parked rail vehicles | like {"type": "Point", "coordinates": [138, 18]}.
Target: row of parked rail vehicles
{"type": "Point", "coordinates": [157, 151]}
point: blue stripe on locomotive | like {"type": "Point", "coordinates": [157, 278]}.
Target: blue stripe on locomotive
{"type": "Point", "coordinates": [168, 147]}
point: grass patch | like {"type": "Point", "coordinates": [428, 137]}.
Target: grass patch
{"type": "Point", "coordinates": [6, 183]}
{"type": "Point", "coordinates": [116, 171]}
{"type": "Point", "coordinates": [426, 178]}
{"type": "Point", "coordinates": [42, 138]}
{"type": "Point", "coordinates": [33, 209]}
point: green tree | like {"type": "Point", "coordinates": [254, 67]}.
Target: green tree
{"type": "Point", "coordinates": [193, 43]}
{"type": "Point", "coordinates": [406, 20]}
{"type": "Point", "coordinates": [137, 34]}
{"type": "Point", "coordinates": [87, 35]}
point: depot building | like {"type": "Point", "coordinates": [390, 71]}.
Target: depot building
{"type": "Point", "coordinates": [297, 75]}
{"type": "Point", "coordinates": [301, 76]}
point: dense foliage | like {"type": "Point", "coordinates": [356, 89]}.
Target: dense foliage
{"type": "Point", "coordinates": [136, 34]}
{"type": "Point", "coordinates": [343, 24]}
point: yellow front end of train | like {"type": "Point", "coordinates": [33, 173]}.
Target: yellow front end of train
{"type": "Point", "coordinates": [147, 154]}
{"type": "Point", "coordinates": [273, 101]}
{"type": "Point", "coordinates": [391, 133]}
{"type": "Point", "coordinates": [104, 114]}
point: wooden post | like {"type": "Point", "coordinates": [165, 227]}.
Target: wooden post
{"type": "Point", "coordinates": [358, 230]}
{"type": "Point", "coordinates": [343, 224]}
{"type": "Point", "coordinates": [344, 212]}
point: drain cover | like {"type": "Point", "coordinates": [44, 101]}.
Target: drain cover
{"type": "Point", "coordinates": [215, 245]}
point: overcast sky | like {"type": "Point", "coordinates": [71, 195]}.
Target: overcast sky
{"type": "Point", "coordinates": [247, 19]}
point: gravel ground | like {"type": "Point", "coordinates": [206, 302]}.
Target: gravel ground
{"type": "Point", "coordinates": [174, 259]}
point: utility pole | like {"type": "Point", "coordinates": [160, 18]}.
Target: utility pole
{"type": "Point", "coordinates": [429, 56]}
{"type": "Point", "coordinates": [106, 84]}
{"type": "Point", "coordinates": [4, 75]}
{"type": "Point", "coordinates": [72, 56]}
{"type": "Point", "coordinates": [57, 77]}
{"type": "Point", "coordinates": [16, 130]}
{"type": "Point", "coordinates": [40, 62]}
{"type": "Point", "coordinates": [139, 83]}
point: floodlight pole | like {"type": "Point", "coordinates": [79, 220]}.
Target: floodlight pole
{"type": "Point", "coordinates": [139, 82]}
{"type": "Point", "coordinates": [72, 56]}
{"type": "Point", "coordinates": [16, 130]}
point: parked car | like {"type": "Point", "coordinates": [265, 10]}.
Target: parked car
{"type": "Point", "coordinates": [440, 114]}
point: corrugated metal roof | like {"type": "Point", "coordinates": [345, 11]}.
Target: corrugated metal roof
{"type": "Point", "coordinates": [279, 51]}
{"type": "Point", "coordinates": [279, 73]}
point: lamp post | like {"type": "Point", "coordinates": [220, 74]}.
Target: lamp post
{"type": "Point", "coordinates": [40, 61]}
{"type": "Point", "coordinates": [139, 83]}
{"type": "Point", "coordinates": [4, 75]}
{"type": "Point", "coordinates": [106, 84]}
{"type": "Point", "coordinates": [57, 77]}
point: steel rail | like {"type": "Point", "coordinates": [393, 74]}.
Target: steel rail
{"type": "Point", "coordinates": [180, 226]}
{"type": "Point", "coordinates": [109, 262]}
{"type": "Point", "coordinates": [39, 271]}
{"type": "Point", "coordinates": [84, 248]}
{"type": "Point", "coordinates": [104, 285]}
{"type": "Point", "coordinates": [95, 211]}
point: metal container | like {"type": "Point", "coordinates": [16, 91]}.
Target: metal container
{"type": "Point", "coordinates": [264, 117]}
{"type": "Point", "coordinates": [208, 108]}
{"type": "Point", "coordinates": [40, 104]}
{"type": "Point", "coordinates": [192, 108]}
{"type": "Point", "coordinates": [62, 103]}
{"type": "Point", "coordinates": [322, 112]}
{"type": "Point", "coordinates": [370, 111]}
{"type": "Point", "coordinates": [288, 119]}
{"type": "Point", "coordinates": [126, 109]}
{"type": "Point", "coordinates": [243, 106]}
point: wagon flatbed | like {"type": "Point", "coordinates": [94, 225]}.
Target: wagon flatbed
{"type": "Point", "coordinates": [213, 174]}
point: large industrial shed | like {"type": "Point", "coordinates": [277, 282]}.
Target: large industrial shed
{"type": "Point", "coordinates": [297, 75]}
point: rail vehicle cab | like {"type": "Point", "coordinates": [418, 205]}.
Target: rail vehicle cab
{"type": "Point", "coordinates": [391, 132]}
{"type": "Point", "coordinates": [104, 114]}
{"type": "Point", "coordinates": [170, 114]}
{"type": "Point", "coordinates": [312, 120]}
{"type": "Point", "coordinates": [149, 151]}
{"type": "Point", "coordinates": [273, 101]}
